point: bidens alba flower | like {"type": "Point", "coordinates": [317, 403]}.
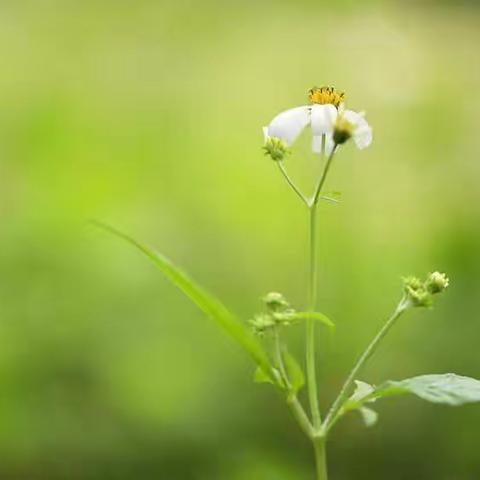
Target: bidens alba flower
{"type": "Point", "coordinates": [350, 124]}
{"type": "Point", "coordinates": [321, 117]}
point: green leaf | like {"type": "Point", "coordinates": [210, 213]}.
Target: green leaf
{"type": "Point", "coordinates": [294, 371]}
{"type": "Point", "coordinates": [333, 196]}
{"type": "Point", "coordinates": [447, 389]}
{"type": "Point", "coordinates": [361, 395]}
{"type": "Point", "coordinates": [260, 377]}
{"type": "Point", "coordinates": [321, 317]}
{"type": "Point", "coordinates": [362, 392]}
{"type": "Point", "coordinates": [205, 301]}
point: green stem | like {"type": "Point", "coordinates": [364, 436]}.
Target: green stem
{"type": "Point", "coordinates": [333, 413]}
{"type": "Point", "coordinates": [291, 183]}
{"type": "Point", "coordinates": [292, 400]}
{"type": "Point", "coordinates": [310, 334]}
{"type": "Point", "coordinates": [322, 179]}
{"type": "Point", "coordinates": [319, 446]}
{"type": "Point", "coordinates": [279, 358]}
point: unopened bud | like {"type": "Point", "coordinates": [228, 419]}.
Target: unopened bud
{"type": "Point", "coordinates": [276, 148]}
{"type": "Point", "coordinates": [275, 302]}
{"type": "Point", "coordinates": [436, 282]}
{"type": "Point", "coordinates": [261, 323]}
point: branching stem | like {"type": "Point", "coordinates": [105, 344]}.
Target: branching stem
{"type": "Point", "coordinates": [369, 351]}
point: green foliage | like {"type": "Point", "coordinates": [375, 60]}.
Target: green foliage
{"type": "Point", "coordinates": [320, 317]}
{"type": "Point", "coordinates": [205, 301]}
{"type": "Point", "coordinates": [447, 389]}
{"type": "Point", "coordinates": [360, 396]}
{"type": "Point", "coordinates": [294, 371]}
{"type": "Point", "coordinates": [260, 377]}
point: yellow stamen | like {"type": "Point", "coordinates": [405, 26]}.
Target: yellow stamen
{"type": "Point", "coordinates": [325, 95]}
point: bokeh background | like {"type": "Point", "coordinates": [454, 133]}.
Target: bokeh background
{"type": "Point", "coordinates": [148, 115]}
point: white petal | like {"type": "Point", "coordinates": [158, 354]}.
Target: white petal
{"type": "Point", "coordinates": [289, 124]}
{"type": "Point", "coordinates": [317, 144]}
{"type": "Point", "coordinates": [323, 118]}
{"type": "Point", "coordinates": [329, 145]}
{"type": "Point", "coordinates": [362, 135]}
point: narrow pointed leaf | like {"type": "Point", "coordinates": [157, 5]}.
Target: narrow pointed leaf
{"type": "Point", "coordinates": [205, 301]}
{"type": "Point", "coordinates": [321, 317]}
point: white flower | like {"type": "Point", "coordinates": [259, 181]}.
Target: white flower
{"type": "Point", "coordinates": [350, 124]}
{"type": "Point", "coordinates": [322, 117]}
{"type": "Point", "coordinates": [288, 125]}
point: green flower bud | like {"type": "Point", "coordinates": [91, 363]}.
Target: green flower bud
{"type": "Point", "coordinates": [276, 148]}
{"type": "Point", "coordinates": [436, 282]}
{"type": "Point", "coordinates": [416, 292]}
{"type": "Point", "coordinates": [261, 323]}
{"type": "Point", "coordinates": [412, 284]}
{"type": "Point", "coordinates": [284, 318]}
{"type": "Point", "coordinates": [275, 302]}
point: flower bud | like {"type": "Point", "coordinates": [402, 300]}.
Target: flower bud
{"type": "Point", "coordinates": [275, 302]}
{"type": "Point", "coordinates": [436, 282]}
{"type": "Point", "coordinates": [276, 148]}
{"type": "Point", "coordinates": [261, 323]}
{"type": "Point", "coordinates": [285, 317]}
{"type": "Point", "coordinates": [416, 292]}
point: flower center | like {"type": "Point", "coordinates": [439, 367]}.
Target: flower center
{"type": "Point", "coordinates": [325, 95]}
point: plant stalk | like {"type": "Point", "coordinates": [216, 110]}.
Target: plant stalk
{"type": "Point", "coordinates": [333, 413]}
{"type": "Point", "coordinates": [319, 445]}
{"type": "Point", "coordinates": [292, 400]}
{"type": "Point", "coordinates": [310, 334]}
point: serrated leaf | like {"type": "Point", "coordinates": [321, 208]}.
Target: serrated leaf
{"type": "Point", "coordinates": [369, 416]}
{"type": "Point", "coordinates": [294, 371]}
{"type": "Point", "coordinates": [321, 317]}
{"type": "Point", "coordinates": [447, 389]}
{"type": "Point", "coordinates": [209, 304]}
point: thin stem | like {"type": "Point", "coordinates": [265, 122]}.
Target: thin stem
{"type": "Point", "coordinates": [370, 350]}
{"type": "Point", "coordinates": [322, 179]}
{"type": "Point", "coordinates": [279, 358]}
{"type": "Point", "coordinates": [302, 197]}
{"type": "Point", "coordinates": [310, 334]}
{"type": "Point", "coordinates": [292, 400]}
{"type": "Point", "coordinates": [300, 415]}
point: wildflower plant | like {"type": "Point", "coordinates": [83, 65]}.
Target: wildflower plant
{"type": "Point", "coordinates": [331, 126]}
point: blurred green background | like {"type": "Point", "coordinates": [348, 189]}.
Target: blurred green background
{"type": "Point", "coordinates": [148, 115]}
